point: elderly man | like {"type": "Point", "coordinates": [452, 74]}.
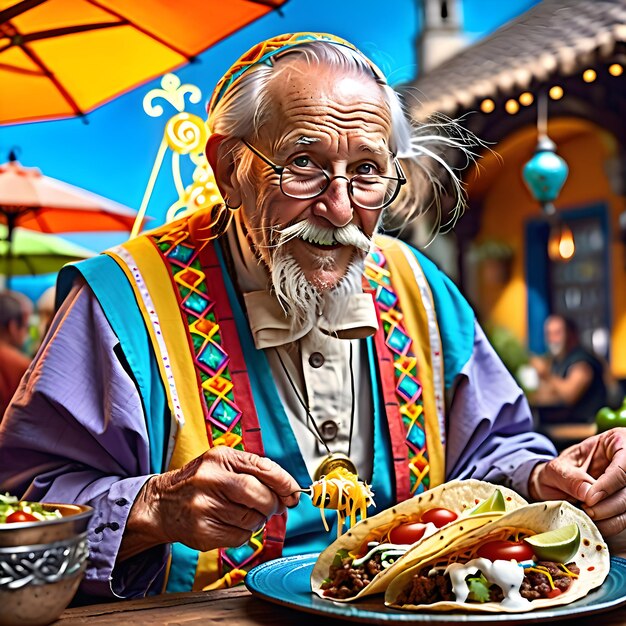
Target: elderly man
{"type": "Point", "coordinates": [196, 377]}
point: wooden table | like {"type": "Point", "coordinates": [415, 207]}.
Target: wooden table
{"type": "Point", "coordinates": [565, 435]}
{"type": "Point", "coordinates": [231, 607]}
{"type": "Point", "coordinates": [575, 432]}
{"type": "Point", "coordinates": [235, 607]}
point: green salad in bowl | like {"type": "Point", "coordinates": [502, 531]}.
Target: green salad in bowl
{"type": "Point", "coordinates": [14, 510]}
{"type": "Point", "coordinates": [43, 556]}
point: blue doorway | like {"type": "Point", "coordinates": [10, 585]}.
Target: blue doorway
{"type": "Point", "coordinates": [578, 288]}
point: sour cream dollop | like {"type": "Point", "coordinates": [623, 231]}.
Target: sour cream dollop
{"type": "Point", "coordinates": [508, 575]}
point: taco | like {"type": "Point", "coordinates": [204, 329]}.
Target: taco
{"type": "Point", "coordinates": [363, 560]}
{"type": "Point", "coordinates": [538, 556]}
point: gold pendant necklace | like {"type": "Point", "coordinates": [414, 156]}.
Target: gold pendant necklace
{"type": "Point", "coordinates": [334, 459]}
{"type": "Point", "coordinates": [336, 480]}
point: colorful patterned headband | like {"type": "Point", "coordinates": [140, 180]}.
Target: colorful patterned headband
{"type": "Point", "coordinates": [263, 52]}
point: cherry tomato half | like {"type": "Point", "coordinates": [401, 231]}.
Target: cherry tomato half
{"type": "Point", "coordinates": [505, 550]}
{"type": "Point", "coordinates": [20, 516]}
{"type": "Point", "coordinates": [407, 533]}
{"type": "Point", "coordinates": [439, 517]}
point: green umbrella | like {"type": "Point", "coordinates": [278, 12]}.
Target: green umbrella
{"type": "Point", "coordinates": [37, 253]}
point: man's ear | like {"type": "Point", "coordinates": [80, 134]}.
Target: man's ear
{"type": "Point", "coordinates": [219, 154]}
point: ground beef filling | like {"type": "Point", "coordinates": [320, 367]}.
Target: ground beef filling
{"type": "Point", "coordinates": [536, 586]}
{"type": "Point", "coordinates": [425, 589]}
{"type": "Point", "coordinates": [345, 581]}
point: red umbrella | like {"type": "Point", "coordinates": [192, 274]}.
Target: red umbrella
{"type": "Point", "coordinates": [31, 200]}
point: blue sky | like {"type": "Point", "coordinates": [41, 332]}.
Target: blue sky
{"type": "Point", "coordinates": [113, 153]}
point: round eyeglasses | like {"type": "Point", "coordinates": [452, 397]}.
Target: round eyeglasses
{"type": "Point", "coordinates": [303, 179]}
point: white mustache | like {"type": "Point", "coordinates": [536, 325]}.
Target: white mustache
{"type": "Point", "coordinates": [349, 235]}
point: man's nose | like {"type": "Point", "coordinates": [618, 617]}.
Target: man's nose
{"type": "Point", "coordinates": [335, 204]}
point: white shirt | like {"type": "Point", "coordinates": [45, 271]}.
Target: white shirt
{"type": "Point", "coordinates": [319, 372]}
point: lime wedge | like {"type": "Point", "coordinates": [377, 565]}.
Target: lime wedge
{"type": "Point", "coordinates": [558, 545]}
{"type": "Point", "coordinates": [493, 504]}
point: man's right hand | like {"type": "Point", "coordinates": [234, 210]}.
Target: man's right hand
{"type": "Point", "coordinates": [218, 500]}
{"type": "Point", "coordinates": [592, 472]}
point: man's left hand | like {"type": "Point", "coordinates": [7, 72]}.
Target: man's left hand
{"type": "Point", "coordinates": [593, 473]}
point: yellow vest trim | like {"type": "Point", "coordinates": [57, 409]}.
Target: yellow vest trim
{"type": "Point", "coordinates": [403, 277]}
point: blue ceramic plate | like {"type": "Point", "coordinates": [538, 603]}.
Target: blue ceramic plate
{"type": "Point", "coordinates": [286, 582]}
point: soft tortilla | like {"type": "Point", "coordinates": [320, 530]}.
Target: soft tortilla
{"type": "Point", "coordinates": [592, 557]}
{"type": "Point", "coordinates": [459, 496]}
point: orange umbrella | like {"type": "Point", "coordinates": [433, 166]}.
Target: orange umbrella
{"type": "Point", "coordinates": [32, 200]}
{"type": "Point", "coordinates": [60, 58]}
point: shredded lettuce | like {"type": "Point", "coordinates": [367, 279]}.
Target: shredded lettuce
{"type": "Point", "coordinates": [9, 504]}
{"type": "Point", "coordinates": [479, 589]}
{"type": "Point", "coordinates": [339, 557]}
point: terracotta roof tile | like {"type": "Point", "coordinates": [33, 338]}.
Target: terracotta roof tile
{"type": "Point", "coordinates": [554, 36]}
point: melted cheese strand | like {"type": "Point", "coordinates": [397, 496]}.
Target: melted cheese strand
{"type": "Point", "coordinates": [566, 571]}
{"type": "Point", "coordinates": [346, 494]}
{"type": "Point", "coordinates": [540, 569]}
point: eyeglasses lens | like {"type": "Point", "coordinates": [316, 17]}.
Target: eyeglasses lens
{"type": "Point", "coordinates": [367, 191]}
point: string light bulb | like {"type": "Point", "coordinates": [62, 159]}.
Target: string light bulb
{"type": "Point", "coordinates": [511, 107]}
{"type": "Point", "coordinates": [487, 105]}
{"type": "Point", "coordinates": [556, 92]}
{"type": "Point", "coordinates": [526, 98]}
{"type": "Point", "coordinates": [616, 69]}
{"type": "Point", "coordinates": [589, 75]}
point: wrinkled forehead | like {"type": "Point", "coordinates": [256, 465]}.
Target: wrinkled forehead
{"type": "Point", "coordinates": [326, 103]}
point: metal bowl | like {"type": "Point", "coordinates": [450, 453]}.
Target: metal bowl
{"type": "Point", "coordinates": [41, 565]}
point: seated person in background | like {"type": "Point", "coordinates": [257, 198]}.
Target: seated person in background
{"type": "Point", "coordinates": [196, 375]}
{"type": "Point", "coordinates": [13, 334]}
{"type": "Point", "coordinates": [45, 312]}
{"type": "Point", "coordinates": [571, 379]}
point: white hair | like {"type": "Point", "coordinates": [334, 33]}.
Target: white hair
{"type": "Point", "coordinates": [244, 109]}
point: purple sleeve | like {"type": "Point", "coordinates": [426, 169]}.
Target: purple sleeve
{"type": "Point", "coordinates": [75, 432]}
{"type": "Point", "coordinates": [490, 428]}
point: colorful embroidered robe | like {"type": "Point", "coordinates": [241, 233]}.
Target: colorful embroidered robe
{"type": "Point", "coordinates": [220, 392]}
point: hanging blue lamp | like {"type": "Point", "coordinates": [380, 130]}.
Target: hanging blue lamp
{"type": "Point", "coordinates": [545, 174]}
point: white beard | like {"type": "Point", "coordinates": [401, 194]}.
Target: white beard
{"type": "Point", "coordinates": [302, 302]}
{"type": "Point", "coordinates": [297, 296]}
{"type": "Point", "coordinates": [556, 348]}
